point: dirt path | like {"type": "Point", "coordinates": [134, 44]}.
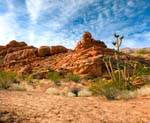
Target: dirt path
{"type": "Point", "coordinates": [33, 107]}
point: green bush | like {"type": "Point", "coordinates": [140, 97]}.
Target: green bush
{"type": "Point", "coordinates": [54, 76]}
{"type": "Point", "coordinates": [104, 88]}
{"type": "Point", "coordinates": [73, 77]}
{"type": "Point", "coordinates": [108, 89]}
{"type": "Point", "coordinates": [142, 70]}
{"type": "Point", "coordinates": [6, 79]}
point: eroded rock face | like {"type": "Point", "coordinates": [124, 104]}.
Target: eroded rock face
{"type": "Point", "coordinates": [13, 46]}
{"type": "Point", "coordinates": [26, 69]}
{"type": "Point", "coordinates": [87, 42]}
{"type": "Point", "coordinates": [21, 54]}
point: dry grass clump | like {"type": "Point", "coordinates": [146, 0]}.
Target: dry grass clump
{"type": "Point", "coordinates": [6, 79]}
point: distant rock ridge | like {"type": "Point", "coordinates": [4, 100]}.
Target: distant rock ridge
{"type": "Point", "coordinates": [133, 50]}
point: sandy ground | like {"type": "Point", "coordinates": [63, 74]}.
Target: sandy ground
{"type": "Point", "coordinates": [34, 107]}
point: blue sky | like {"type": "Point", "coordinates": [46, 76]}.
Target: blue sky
{"type": "Point", "coordinates": [62, 22]}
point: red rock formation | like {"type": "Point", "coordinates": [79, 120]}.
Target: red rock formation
{"type": "Point", "coordinates": [87, 42]}
{"type": "Point", "coordinates": [47, 51]}
{"type": "Point", "coordinates": [43, 51]}
{"type": "Point", "coordinates": [85, 59]}
{"type": "Point", "coordinates": [26, 70]}
{"type": "Point", "coordinates": [21, 54]}
{"type": "Point", "coordinates": [57, 49]}
{"type": "Point", "coordinates": [14, 43]}
{"type": "Point", "coordinates": [13, 46]}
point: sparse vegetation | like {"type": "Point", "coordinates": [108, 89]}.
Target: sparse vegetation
{"type": "Point", "coordinates": [6, 79]}
{"type": "Point", "coordinates": [54, 76]}
{"type": "Point", "coordinates": [122, 75]}
{"type": "Point", "coordinates": [104, 88]}
{"type": "Point", "coordinates": [73, 77]}
{"type": "Point", "coordinates": [125, 72]}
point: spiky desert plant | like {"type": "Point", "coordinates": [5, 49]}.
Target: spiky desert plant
{"type": "Point", "coordinates": [121, 76]}
{"type": "Point", "coordinates": [117, 43]}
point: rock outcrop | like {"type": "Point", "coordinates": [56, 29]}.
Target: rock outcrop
{"type": "Point", "coordinates": [13, 46]}
{"type": "Point", "coordinates": [87, 42]}
{"type": "Point", "coordinates": [86, 58]}
{"type": "Point", "coordinates": [14, 43]}
{"type": "Point", "coordinates": [51, 50]}
{"type": "Point", "coordinates": [18, 55]}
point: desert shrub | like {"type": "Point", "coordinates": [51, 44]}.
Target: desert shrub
{"type": "Point", "coordinates": [125, 71]}
{"type": "Point", "coordinates": [104, 88]}
{"type": "Point", "coordinates": [143, 70]}
{"type": "Point", "coordinates": [54, 76]}
{"type": "Point", "coordinates": [30, 78]}
{"type": "Point", "coordinates": [73, 77]}
{"type": "Point", "coordinates": [6, 79]}
{"type": "Point", "coordinates": [26, 77]}
{"type": "Point", "coordinates": [109, 89]}
{"type": "Point", "coordinates": [23, 76]}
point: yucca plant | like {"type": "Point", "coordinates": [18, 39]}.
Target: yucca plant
{"type": "Point", "coordinates": [122, 76]}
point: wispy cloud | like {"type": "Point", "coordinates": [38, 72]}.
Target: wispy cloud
{"type": "Point", "coordinates": [35, 8]}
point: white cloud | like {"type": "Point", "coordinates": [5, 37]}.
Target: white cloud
{"type": "Point", "coordinates": [68, 9]}
{"type": "Point", "coordinates": [35, 8]}
{"type": "Point", "coordinates": [7, 28]}
{"type": "Point", "coordinates": [10, 5]}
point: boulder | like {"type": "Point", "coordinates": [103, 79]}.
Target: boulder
{"type": "Point", "coordinates": [52, 91]}
{"type": "Point", "coordinates": [84, 93]}
{"type": "Point", "coordinates": [43, 51]}
{"type": "Point", "coordinates": [57, 49]}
